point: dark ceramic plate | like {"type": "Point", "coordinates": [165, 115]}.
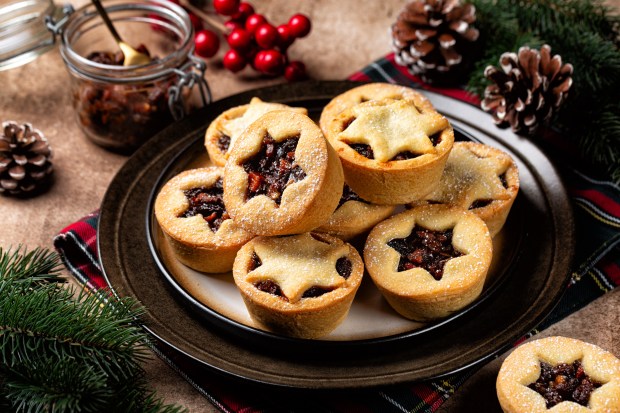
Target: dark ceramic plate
{"type": "Point", "coordinates": [531, 271]}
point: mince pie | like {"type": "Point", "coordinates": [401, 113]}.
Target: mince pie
{"type": "Point", "coordinates": [430, 261]}
{"type": "Point", "coordinates": [354, 216]}
{"type": "Point", "coordinates": [480, 178]}
{"type": "Point", "coordinates": [224, 130]}
{"type": "Point", "coordinates": [298, 285]}
{"type": "Point", "coordinates": [392, 151]}
{"type": "Point", "coordinates": [370, 91]}
{"type": "Point", "coordinates": [282, 176]}
{"type": "Point", "coordinates": [561, 374]}
{"type": "Point", "coordinates": [191, 213]}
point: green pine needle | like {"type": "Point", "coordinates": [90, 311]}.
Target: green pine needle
{"type": "Point", "coordinates": [64, 385]}
{"type": "Point", "coordinates": [38, 264]}
{"type": "Point", "coordinates": [69, 386]}
{"type": "Point", "coordinates": [50, 319]}
{"type": "Point", "coordinates": [603, 142]}
{"type": "Point", "coordinates": [61, 351]}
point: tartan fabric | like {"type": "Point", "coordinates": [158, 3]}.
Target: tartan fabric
{"type": "Point", "coordinates": [596, 271]}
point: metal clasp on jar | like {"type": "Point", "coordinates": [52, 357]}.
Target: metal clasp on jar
{"type": "Point", "coordinates": [190, 74]}
{"type": "Point", "coordinates": [55, 26]}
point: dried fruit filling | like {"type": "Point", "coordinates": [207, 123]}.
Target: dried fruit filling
{"type": "Point", "coordinates": [209, 203]}
{"type": "Point", "coordinates": [564, 382]}
{"type": "Point", "coordinates": [123, 116]}
{"type": "Point", "coordinates": [481, 203]}
{"type": "Point", "coordinates": [349, 195]}
{"type": "Point", "coordinates": [425, 248]}
{"type": "Point", "coordinates": [343, 267]}
{"type": "Point", "coordinates": [223, 142]}
{"type": "Point", "coordinates": [366, 151]}
{"type": "Point", "coordinates": [273, 168]}
{"type": "Point", "coordinates": [503, 180]}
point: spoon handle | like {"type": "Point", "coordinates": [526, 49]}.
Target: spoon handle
{"type": "Point", "coordinates": [106, 20]}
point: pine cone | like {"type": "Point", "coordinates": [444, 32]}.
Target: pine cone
{"type": "Point", "coordinates": [434, 39]}
{"type": "Point", "coordinates": [527, 90]}
{"type": "Point", "coordinates": [25, 159]}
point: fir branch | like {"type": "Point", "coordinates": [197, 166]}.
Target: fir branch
{"type": "Point", "coordinates": [499, 33]}
{"type": "Point", "coordinates": [67, 352]}
{"type": "Point", "coordinates": [38, 264]}
{"type": "Point", "coordinates": [69, 386]}
{"type": "Point", "coordinates": [543, 16]}
{"type": "Point", "coordinates": [596, 61]}
{"type": "Point", "coordinates": [48, 320]}
{"type": "Point", "coordinates": [584, 33]}
{"type": "Point", "coordinates": [65, 384]}
{"type": "Point", "coordinates": [602, 140]}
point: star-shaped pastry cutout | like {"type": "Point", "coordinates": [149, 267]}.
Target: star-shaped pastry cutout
{"type": "Point", "coordinates": [297, 263]}
{"type": "Point", "coordinates": [256, 108]}
{"type": "Point", "coordinates": [468, 177]}
{"type": "Point", "coordinates": [391, 127]}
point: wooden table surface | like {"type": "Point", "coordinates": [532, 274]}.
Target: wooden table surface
{"type": "Point", "coordinates": [346, 35]}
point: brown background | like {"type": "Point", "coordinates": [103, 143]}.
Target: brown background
{"type": "Point", "coordinates": [346, 35]}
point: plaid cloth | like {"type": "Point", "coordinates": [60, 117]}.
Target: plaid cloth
{"type": "Point", "coordinates": [596, 271]}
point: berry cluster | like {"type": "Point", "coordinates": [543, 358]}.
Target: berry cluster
{"type": "Point", "coordinates": [255, 41]}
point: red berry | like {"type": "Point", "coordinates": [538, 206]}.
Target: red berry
{"type": "Point", "coordinates": [270, 62]}
{"type": "Point", "coordinates": [226, 7]}
{"type": "Point", "coordinates": [266, 36]}
{"type": "Point", "coordinates": [253, 21]}
{"type": "Point", "coordinates": [207, 43]}
{"type": "Point", "coordinates": [295, 71]}
{"type": "Point", "coordinates": [232, 25]}
{"type": "Point", "coordinates": [244, 11]}
{"type": "Point", "coordinates": [239, 39]}
{"type": "Point", "coordinates": [234, 61]}
{"type": "Point", "coordinates": [284, 36]}
{"type": "Point", "coordinates": [299, 25]}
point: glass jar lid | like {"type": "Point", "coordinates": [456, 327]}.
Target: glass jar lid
{"type": "Point", "coordinates": [23, 32]}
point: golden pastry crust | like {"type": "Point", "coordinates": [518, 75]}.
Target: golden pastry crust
{"type": "Point", "coordinates": [194, 243]}
{"type": "Point", "coordinates": [295, 264]}
{"type": "Point", "coordinates": [370, 91]}
{"type": "Point", "coordinates": [355, 217]}
{"type": "Point", "coordinates": [522, 367]}
{"type": "Point", "coordinates": [415, 293]}
{"type": "Point", "coordinates": [305, 204]}
{"type": "Point", "coordinates": [391, 128]}
{"type": "Point", "coordinates": [232, 122]}
{"type": "Point", "coordinates": [472, 179]}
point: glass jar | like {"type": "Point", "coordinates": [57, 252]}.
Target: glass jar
{"type": "Point", "coordinates": [117, 107]}
{"type": "Point", "coordinates": [23, 34]}
{"type": "Point", "coordinates": [120, 107]}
